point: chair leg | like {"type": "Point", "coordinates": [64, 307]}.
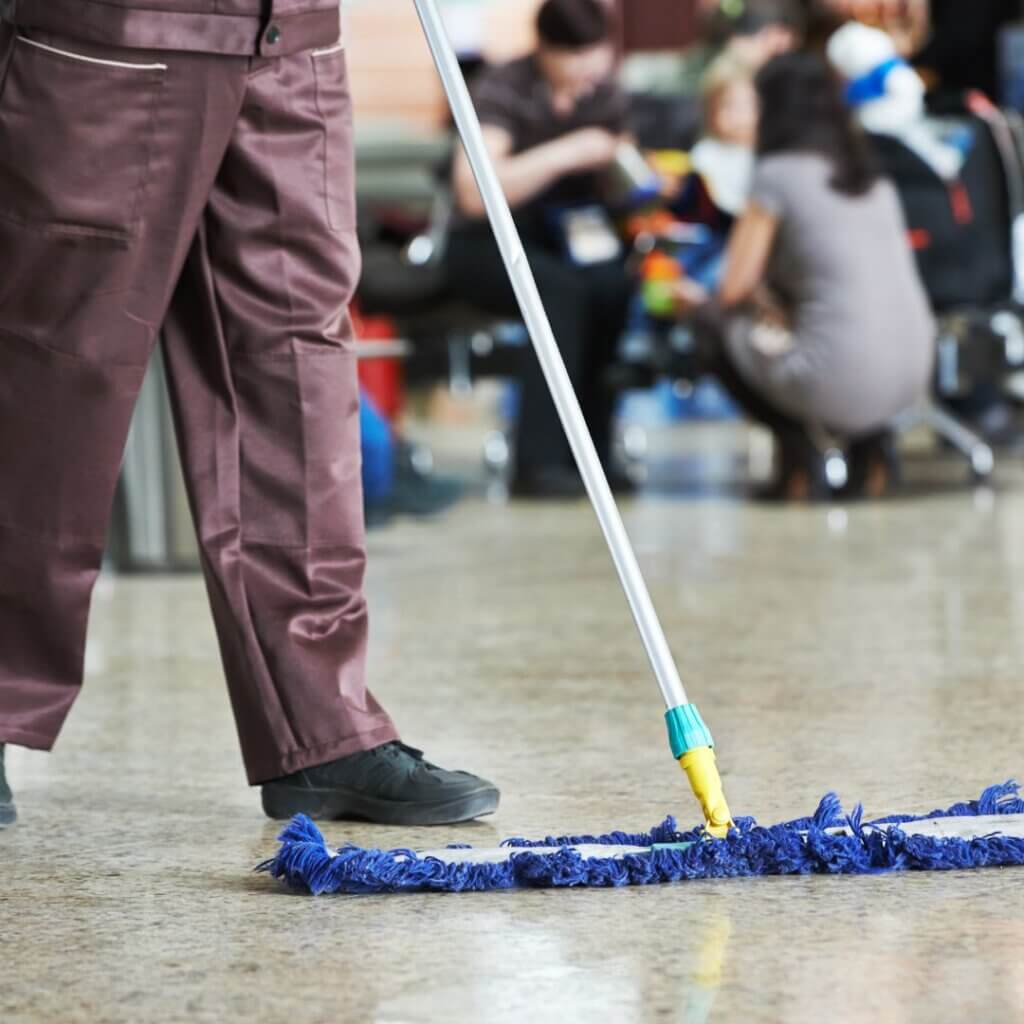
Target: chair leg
{"type": "Point", "coordinates": [460, 365]}
{"type": "Point", "coordinates": [948, 427]}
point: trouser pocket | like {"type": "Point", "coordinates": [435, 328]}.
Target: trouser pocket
{"type": "Point", "coordinates": [75, 136]}
{"type": "Point", "coordinates": [334, 103]}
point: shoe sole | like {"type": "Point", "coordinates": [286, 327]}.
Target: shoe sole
{"type": "Point", "coordinates": [284, 802]}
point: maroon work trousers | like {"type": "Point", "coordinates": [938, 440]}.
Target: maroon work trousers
{"type": "Point", "coordinates": [213, 196]}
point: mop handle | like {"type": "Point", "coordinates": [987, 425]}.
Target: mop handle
{"type": "Point", "coordinates": [539, 327]}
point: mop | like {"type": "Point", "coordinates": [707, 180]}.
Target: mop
{"type": "Point", "coordinates": [827, 841]}
{"type": "Point", "coordinates": [988, 832]}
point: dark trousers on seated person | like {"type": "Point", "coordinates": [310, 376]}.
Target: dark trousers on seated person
{"type": "Point", "coordinates": [587, 307]}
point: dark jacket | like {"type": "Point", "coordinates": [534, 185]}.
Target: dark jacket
{"type": "Point", "coordinates": [244, 27]}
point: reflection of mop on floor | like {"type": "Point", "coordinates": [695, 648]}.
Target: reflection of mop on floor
{"type": "Point", "coordinates": [707, 978]}
{"type": "Point", "coordinates": [988, 832]}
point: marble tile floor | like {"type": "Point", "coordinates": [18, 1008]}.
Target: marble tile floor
{"type": "Point", "coordinates": [876, 650]}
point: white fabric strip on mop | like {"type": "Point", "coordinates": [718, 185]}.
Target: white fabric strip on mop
{"type": "Point", "coordinates": [971, 827]}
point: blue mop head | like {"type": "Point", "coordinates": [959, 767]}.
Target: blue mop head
{"type": "Point", "coordinates": [829, 842]}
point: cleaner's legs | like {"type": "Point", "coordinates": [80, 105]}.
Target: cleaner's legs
{"type": "Point", "coordinates": [263, 380]}
{"type": "Point", "coordinates": [258, 355]}
{"type": "Point", "coordinates": [104, 169]}
{"type": "Point", "coordinates": [244, 167]}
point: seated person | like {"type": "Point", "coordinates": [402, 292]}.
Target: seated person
{"type": "Point", "coordinates": [705, 190]}
{"type": "Point", "coordinates": [552, 121]}
{"type": "Point", "coordinates": [820, 319]}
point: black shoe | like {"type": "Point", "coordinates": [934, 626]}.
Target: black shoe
{"type": "Point", "coordinates": [874, 466]}
{"type": "Point", "coordinates": [801, 475]}
{"type": "Point", "coordinates": [551, 482]}
{"type": "Point", "coordinates": [390, 785]}
{"type": "Point", "coordinates": [8, 813]}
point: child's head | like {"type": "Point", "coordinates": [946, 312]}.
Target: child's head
{"type": "Point", "coordinates": [730, 102]}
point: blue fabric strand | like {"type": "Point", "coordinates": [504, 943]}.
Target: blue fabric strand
{"type": "Point", "coordinates": [800, 847]}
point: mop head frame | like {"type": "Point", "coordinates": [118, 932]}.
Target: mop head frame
{"type": "Point", "coordinates": [988, 832]}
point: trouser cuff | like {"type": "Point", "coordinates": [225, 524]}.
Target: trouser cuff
{"type": "Point", "coordinates": [266, 769]}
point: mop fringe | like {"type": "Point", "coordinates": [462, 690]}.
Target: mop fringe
{"type": "Point", "coordinates": [799, 847]}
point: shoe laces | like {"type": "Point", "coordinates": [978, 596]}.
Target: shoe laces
{"type": "Point", "coordinates": [396, 750]}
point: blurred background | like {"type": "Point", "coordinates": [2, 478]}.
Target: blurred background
{"type": "Point", "coordinates": [445, 362]}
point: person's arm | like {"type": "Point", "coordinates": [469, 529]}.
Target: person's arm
{"type": "Point", "coordinates": [746, 259]}
{"type": "Point", "coordinates": [527, 174]}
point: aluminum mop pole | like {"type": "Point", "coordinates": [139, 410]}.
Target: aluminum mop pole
{"type": "Point", "coordinates": [689, 737]}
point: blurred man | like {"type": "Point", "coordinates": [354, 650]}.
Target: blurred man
{"type": "Point", "coordinates": [552, 121]}
{"type": "Point", "coordinates": [183, 162]}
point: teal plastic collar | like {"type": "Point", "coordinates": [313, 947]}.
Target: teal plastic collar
{"type": "Point", "coordinates": [686, 730]}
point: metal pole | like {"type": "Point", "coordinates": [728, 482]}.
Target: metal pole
{"type": "Point", "coordinates": [551, 362]}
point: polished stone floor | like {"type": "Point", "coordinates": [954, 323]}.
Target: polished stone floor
{"type": "Point", "coordinates": [874, 650]}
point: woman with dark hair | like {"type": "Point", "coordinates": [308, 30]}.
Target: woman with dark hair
{"type": "Point", "coordinates": [820, 320]}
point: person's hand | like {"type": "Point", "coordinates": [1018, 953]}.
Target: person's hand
{"type": "Point", "coordinates": [589, 149]}
{"type": "Point", "coordinates": [769, 310]}
{"type": "Point", "coordinates": [687, 296]}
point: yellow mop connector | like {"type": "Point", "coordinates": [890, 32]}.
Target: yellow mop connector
{"type": "Point", "coordinates": [693, 747]}
{"type": "Point", "coordinates": [702, 771]}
